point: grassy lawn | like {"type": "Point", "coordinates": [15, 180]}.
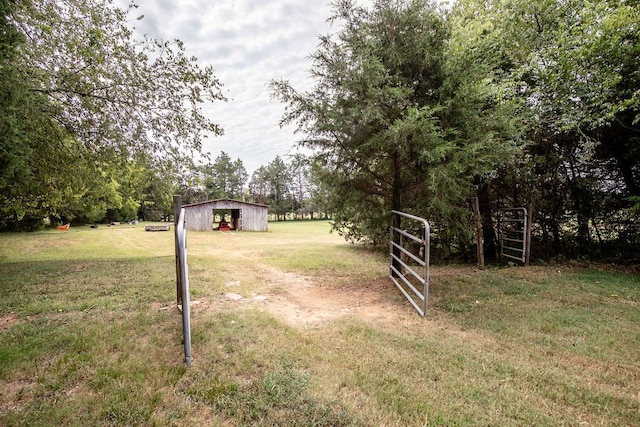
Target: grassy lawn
{"type": "Point", "coordinates": [89, 335]}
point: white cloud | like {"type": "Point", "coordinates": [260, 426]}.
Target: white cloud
{"type": "Point", "coordinates": [248, 43]}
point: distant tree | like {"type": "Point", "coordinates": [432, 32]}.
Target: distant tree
{"type": "Point", "coordinates": [77, 87]}
{"type": "Point", "coordinates": [259, 186]}
{"type": "Point", "coordinates": [279, 179]}
{"type": "Point", "coordinates": [300, 172]}
{"type": "Point", "coordinates": [319, 193]}
{"type": "Point", "coordinates": [224, 178]}
{"type": "Point", "coordinates": [271, 185]}
{"type": "Point", "coordinates": [160, 184]}
{"type": "Point", "coordinates": [397, 119]}
{"type": "Point", "coordinates": [574, 64]}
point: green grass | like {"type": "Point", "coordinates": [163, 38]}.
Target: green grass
{"type": "Point", "coordinates": [89, 336]}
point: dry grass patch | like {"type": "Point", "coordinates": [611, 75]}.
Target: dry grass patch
{"type": "Point", "coordinates": [319, 336]}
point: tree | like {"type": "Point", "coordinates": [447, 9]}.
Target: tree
{"type": "Point", "coordinates": [259, 186]}
{"type": "Point", "coordinates": [24, 152]}
{"type": "Point", "coordinates": [279, 179]}
{"type": "Point", "coordinates": [77, 87]}
{"type": "Point", "coordinates": [300, 172]}
{"type": "Point", "coordinates": [107, 88]}
{"type": "Point", "coordinates": [319, 193]}
{"type": "Point", "coordinates": [224, 178]}
{"type": "Point", "coordinates": [271, 185]}
{"type": "Point", "coordinates": [161, 183]}
{"type": "Point", "coordinates": [574, 65]}
{"type": "Point", "coordinates": [593, 73]}
{"type": "Point", "coordinates": [397, 119]}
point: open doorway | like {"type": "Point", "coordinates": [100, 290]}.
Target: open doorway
{"type": "Point", "coordinates": [226, 219]}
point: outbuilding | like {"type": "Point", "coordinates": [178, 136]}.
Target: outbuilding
{"type": "Point", "coordinates": [226, 214]}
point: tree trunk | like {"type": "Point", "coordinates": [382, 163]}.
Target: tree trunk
{"type": "Point", "coordinates": [488, 231]}
{"type": "Point", "coordinates": [479, 235]}
{"type": "Point", "coordinates": [177, 207]}
{"type": "Point", "coordinates": [527, 248]}
{"type": "Point", "coordinates": [396, 194]}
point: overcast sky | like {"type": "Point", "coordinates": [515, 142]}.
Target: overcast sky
{"type": "Point", "coordinates": [248, 43]}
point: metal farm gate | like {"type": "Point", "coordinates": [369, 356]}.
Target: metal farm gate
{"type": "Point", "coordinates": [182, 275]}
{"type": "Point", "coordinates": [409, 262]}
{"type": "Point", "coordinates": [514, 229]}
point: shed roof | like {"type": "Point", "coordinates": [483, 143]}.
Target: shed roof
{"type": "Point", "coordinates": [215, 201]}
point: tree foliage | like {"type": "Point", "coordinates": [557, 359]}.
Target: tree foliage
{"type": "Point", "coordinates": [291, 188]}
{"type": "Point", "coordinates": [397, 117]}
{"type": "Point", "coordinates": [108, 89]}
{"type": "Point", "coordinates": [80, 92]}
{"type": "Point", "coordinates": [272, 185]}
{"type": "Point", "coordinates": [224, 178]}
{"type": "Point", "coordinates": [574, 64]}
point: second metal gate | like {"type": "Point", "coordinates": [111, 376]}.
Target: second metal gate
{"type": "Point", "coordinates": [409, 262]}
{"type": "Point", "coordinates": [513, 226]}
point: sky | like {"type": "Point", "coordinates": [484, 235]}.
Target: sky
{"type": "Point", "coordinates": [248, 43]}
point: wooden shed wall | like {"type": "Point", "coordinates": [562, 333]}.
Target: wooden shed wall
{"type": "Point", "coordinates": [200, 217]}
{"type": "Point", "coordinates": [254, 218]}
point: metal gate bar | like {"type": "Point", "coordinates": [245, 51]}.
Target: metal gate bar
{"type": "Point", "coordinates": [420, 298]}
{"type": "Point", "coordinates": [513, 234]}
{"type": "Point", "coordinates": [183, 273]}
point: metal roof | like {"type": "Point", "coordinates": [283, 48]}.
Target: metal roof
{"type": "Point", "coordinates": [224, 200]}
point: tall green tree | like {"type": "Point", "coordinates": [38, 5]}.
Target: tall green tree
{"type": "Point", "coordinates": [77, 87]}
{"type": "Point", "coordinates": [24, 153]}
{"type": "Point", "coordinates": [109, 89]}
{"type": "Point", "coordinates": [161, 183]}
{"type": "Point", "coordinates": [593, 82]}
{"type": "Point", "coordinates": [224, 177]}
{"type": "Point", "coordinates": [279, 198]}
{"type": "Point", "coordinates": [319, 193]}
{"type": "Point", "coordinates": [300, 172]}
{"type": "Point", "coordinates": [259, 186]}
{"type": "Point", "coordinates": [397, 118]}
{"type": "Point", "coordinates": [574, 64]}
{"type": "Point", "coordinates": [272, 185]}
{"type": "Point", "coordinates": [592, 87]}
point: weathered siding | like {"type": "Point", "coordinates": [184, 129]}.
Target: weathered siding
{"type": "Point", "coordinates": [254, 219]}
{"type": "Point", "coordinates": [199, 216]}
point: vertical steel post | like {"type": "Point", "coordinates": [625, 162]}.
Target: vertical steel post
{"type": "Point", "coordinates": [427, 254]}
{"type": "Point", "coordinates": [177, 207]}
{"type": "Point", "coordinates": [397, 274]}
{"type": "Point", "coordinates": [181, 232]}
{"type": "Point", "coordinates": [527, 246]}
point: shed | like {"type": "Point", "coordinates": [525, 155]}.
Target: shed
{"type": "Point", "coordinates": [242, 216]}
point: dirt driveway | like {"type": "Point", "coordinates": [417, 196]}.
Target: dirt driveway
{"type": "Point", "coordinates": [304, 302]}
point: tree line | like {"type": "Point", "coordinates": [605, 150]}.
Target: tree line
{"type": "Point", "coordinates": [413, 107]}
{"type": "Point", "coordinates": [97, 125]}
{"type": "Point", "coordinates": [517, 103]}
{"type": "Point", "coordinates": [289, 186]}
{"type": "Point", "coordinates": [92, 119]}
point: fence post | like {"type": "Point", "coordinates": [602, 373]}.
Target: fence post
{"type": "Point", "coordinates": [177, 207]}
{"type": "Point", "coordinates": [184, 282]}
{"type": "Point", "coordinates": [527, 255]}
{"type": "Point", "coordinates": [479, 233]}
{"type": "Point", "coordinates": [406, 262]}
